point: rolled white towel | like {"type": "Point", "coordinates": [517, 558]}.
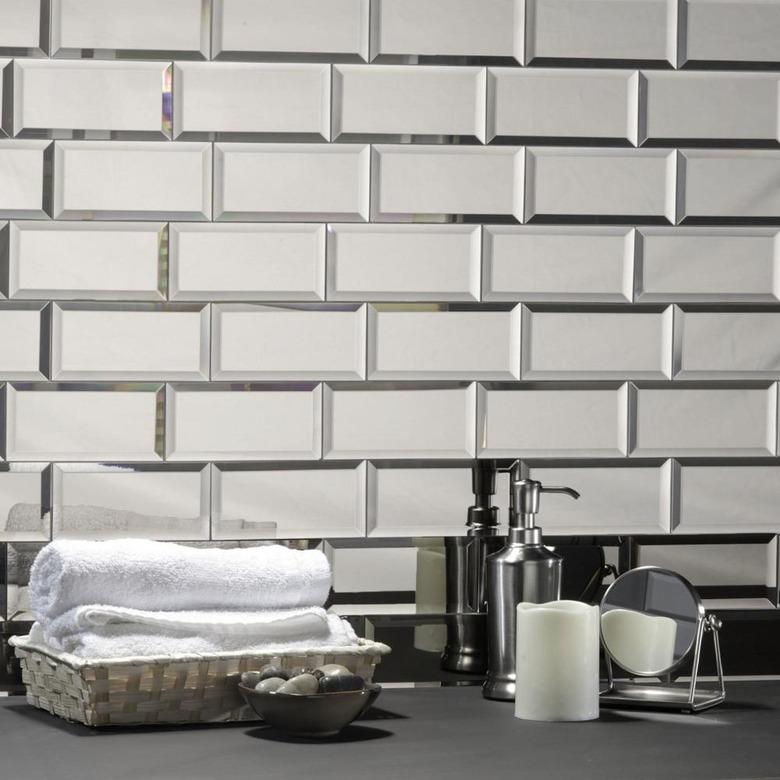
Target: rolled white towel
{"type": "Point", "coordinates": [147, 575]}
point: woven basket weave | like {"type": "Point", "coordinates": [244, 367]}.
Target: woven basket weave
{"type": "Point", "coordinates": [160, 690]}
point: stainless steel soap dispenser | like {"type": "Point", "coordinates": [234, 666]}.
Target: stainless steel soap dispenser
{"type": "Point", "coordinates": [523, 570]}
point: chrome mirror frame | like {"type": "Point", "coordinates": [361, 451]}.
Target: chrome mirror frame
{"type": "Point", "coordinates": [667, 694]}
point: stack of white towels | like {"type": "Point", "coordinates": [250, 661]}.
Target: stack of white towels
{"type": "Point", "coordinates": [133, 597]}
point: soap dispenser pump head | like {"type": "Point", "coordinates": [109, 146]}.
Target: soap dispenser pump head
{"type": "Point", "coordinates": [525, 506]}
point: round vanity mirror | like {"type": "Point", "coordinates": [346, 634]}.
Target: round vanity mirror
{"type": "Point", "coordinates": [649, 621]}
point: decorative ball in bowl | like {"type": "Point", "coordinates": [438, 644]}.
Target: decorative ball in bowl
{"type": "Point", "coordinates": [308, 702]}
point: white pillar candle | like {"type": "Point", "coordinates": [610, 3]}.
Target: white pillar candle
{"type": "Point", "coordinates": [557, 661]}
{"type": "Point", "coordinates": [431, 596]}
{"type": "Point", "coordinates": [638, 642]}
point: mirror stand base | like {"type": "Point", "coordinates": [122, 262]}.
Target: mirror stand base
{"type": "Point", "coordinates": [660, 697]}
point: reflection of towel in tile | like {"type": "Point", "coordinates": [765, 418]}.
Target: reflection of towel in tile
{"type": "Point", "coordinates": [97, 631]}
{"type": "Point", "coordinates": [147, 575]}
{"type": "Point", "coordinates": [25, 518]}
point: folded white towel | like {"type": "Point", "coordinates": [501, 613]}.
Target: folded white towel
{"type": "Point", "coordinates": [148, 575]}
{"type": "Point", "coordinates": [132, 639]}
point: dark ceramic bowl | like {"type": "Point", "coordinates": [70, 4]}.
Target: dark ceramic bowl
{"type": "Point", "coordinates": [313, 715]}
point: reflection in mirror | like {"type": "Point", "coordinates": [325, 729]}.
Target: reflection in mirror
{"type": "Point", "coordinates": [649, 621]}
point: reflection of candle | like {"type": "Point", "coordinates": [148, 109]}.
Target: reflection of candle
{"type": "Point", "coordinates": [430, 597]}
{"type": "Point", "coordinates": [638, 642]}
{"type": "Point", "coordinates": [557, 661]}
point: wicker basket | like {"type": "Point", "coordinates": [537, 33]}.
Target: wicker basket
{"type": "Point", "coordinates": [162, 690]}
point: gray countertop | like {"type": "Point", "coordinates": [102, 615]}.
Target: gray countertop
{"type": "Point", "coordinates": [449, 732]}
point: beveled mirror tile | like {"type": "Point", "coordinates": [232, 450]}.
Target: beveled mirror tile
{"type": "Point", "coordinates": [601, 29]}
{"type": "Point", "coordinates": [534, 102]}
{"type": "Point", "coordinates": [464, 28]}
{"type": "Point", "coordinates": [6, 104]}
{"type": "Point", "coordinates": [423, 501]}
{"type": "Point", "coordinates": [730, 183]}
{"type": "Point", "coordinates": [415, 183]}
{"type": "Point", "coordinates": [212, 422]}
{"type": "Point", "coordinates": [306, 342]}
{"type": "Point", "coordinates": [22, 179]}
{"type": "Point", "coordinates": [615, 500]}
{"type": "Point", "coordinates": [403, 262]}
{"type": "Point", "coordinates": [360, 568]}
{"type": "Point", "coordinates": [727, 344]}
{"type": "Point", "coordinates": [690, 105]}
{"type": "Point", "coordinates": [630, 183]}
{"type": "Point", "coordinates": [288, 503]}
{"type": "Point", "coordinates": [81, 422]}
{"type": "Point", "coordinates": [557, 263]}
{"type": "Point", "coordinates": [25, 28]}
{"type": "Point", "coordinates": [24, 341]}
{"type": "Point", "coordinates": [731, 30]}
{"type": "Point", "coordinates": [106, 501]}
{"type": "Point", "coordinates": [708, 264]}
{"type": "Point", "coordinates": [282, 262]}
{"type": "Point", "coordinates": [25, 502]}
{"type": "Point", "coordinates": [143, 28]}
{"type": "Point", "coordinates": [132, 342]}
{"type": "Point", "coordinates": [108, 261]}
{"type": "Point", "coordinates": [728, 499]}
{"type": "Point", "coordinates": [56, 99]}
{"type": "Point", "coordinates": [717, 422]}
{"type": "Point", "coordinates": [399, 102]}
{"type": "Point", "coordinates": [262, 29]}
{"type": "Point", "coordinates": [553, 422]}
{"type": "Point", "coordinates": [597, 345]}
{"type": "Point", "coordinates": [291, 182]}
{"type": "Point", "coordinates": [132, 180]}
{"type": "Point", "coordinates": [229, 98]}
{"type": "Point", "coordinates": [379, 422]}
{"type": "Point", "coordinates": [416, 342]}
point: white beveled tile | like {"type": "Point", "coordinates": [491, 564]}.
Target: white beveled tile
{"type": "Point", "coordinates": [557, 263]}
{"type": "Point", "coordinates": [178, 28]}
{"type": "Point", "coordinates": [233, 97]}
{"type": "Point", "coordinates": [388, 423]}
{"type": "Point", "coordinates": [140, 342]}
{"type": "Point", "coordinates": [285, 503]}
{"type": "Point", "coordinates": [423, 501]}
{"type": "Point", "coordinates": [408, 342]}
{"type": "Point", "coordinates": [358, 568]}
{"type": "Point", "coordinates": [212, 423]}
{"type": "Point", "coordinates": [600, 182]}
{"type": "Point", "coordinates": [690, 105]}
{"type": "Point", "coordinates": [251, 342]}
{"type": "Point", "coordinates": [405, 100]}
{"type": "Point", "coordinates": [466, 28]}
{"type": "Point", "coordinates": [613, 500]}
{"type": "Point", "coordinates": [6, 82]}
{"type": "Point", "coordinates": [403, 262]}
{"type": "Point", "coordinates": [71, 260]}
{"type": "Point", "coordinates": [291, 182]}
{"type": "Point", "coordinates": [23, 30]}
{"type": "Point", "coordinates": [59, 97]}
{"type": "Point", "coordinates": [554, 422]}
{"type": "Point", "coordinates": [728, 499]}
{"type": "Point", "coordinates": [562, 103]}
{"type": "Point", "coordinates": [730, 183]}
{"type": "Point", "coordinates": [414, 182]}
{"type": "Point", "coordinates": [132, 180]}
{"type": "Point", "coordinates": [597, 345]}
{"type": "Point", "coordinates": [22, 175]}
{"type": "Point", "coordinates": [281, 262]}
{"type": "Point", "coordinates": [24, 514]}
{"type": "Point", "coordinates": [337, 29]}
{"type": "Point", "coordinates": [727, 344]}
{"type": "Point", "coordinates": [601, 29]}
{"type": "Point", "coordinates": [56, 422]}
{"type": "Point", "coordinates": [731, 30]}
{"type": "Point", "coordinates": [708, 264]}
{"type": "Point", "coordinates": [24, 337]}
{"type": "Point", "coordinates": [717, 421]}
{"type": "Point", "coordinates": [99, 501]}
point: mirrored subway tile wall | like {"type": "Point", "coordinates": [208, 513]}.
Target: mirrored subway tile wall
{"type": "Point", "coordinates": [283, 269]}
